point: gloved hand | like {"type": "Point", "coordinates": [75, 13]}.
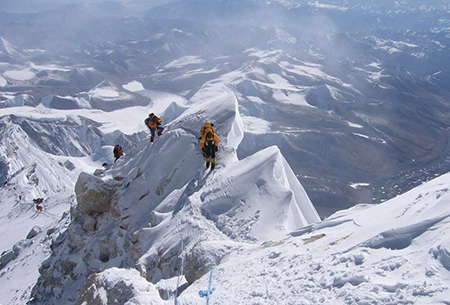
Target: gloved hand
{"type": "Point", "coordinates": [216, 148]}
{"type": "Point", "coordinates": [203, 152]}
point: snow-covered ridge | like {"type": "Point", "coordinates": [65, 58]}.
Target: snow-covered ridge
{"type": "Point", "coordinates": [164, 206]}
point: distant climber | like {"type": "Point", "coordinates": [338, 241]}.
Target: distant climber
{"type": "Point", "coordinates": [154, 124]}
{"type": "Point", "coordinates": [209, 143]}
{"type": "Point", "coordinates": [38, 203]}
{"type": "Point", "coordinates": [118, 152]}
{"type": "Point", "coordinates": [38, 200]}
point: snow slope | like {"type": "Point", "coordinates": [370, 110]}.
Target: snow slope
{"type": "Point", "coordinates": [27, 173]}
{"type": "Point", "coordinates": [397, 252]}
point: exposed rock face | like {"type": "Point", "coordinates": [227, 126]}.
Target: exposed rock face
{"type": "Point", "coordinates": [93, 194]}
{"type": "Point", "coordinates": [202, 258]}
{"type": "Point", "coordinates": [6, 257]}
{"type": "Point", "coordinates": [58, 102]}
{"type": "Point", "coordinates": [77, 253]}
{"type": "Point", "coordinates": [9, 255]}
{"type": "Point", "coordinates": [34, 231]}
{"type": "Point", "coordinates": [116, 286]}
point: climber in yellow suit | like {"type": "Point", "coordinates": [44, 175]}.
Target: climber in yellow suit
{"type": "Point", "coordinates": [209, 143]}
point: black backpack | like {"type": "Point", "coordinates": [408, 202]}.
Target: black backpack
{"type": "Point", "coordinates": [209, 139]}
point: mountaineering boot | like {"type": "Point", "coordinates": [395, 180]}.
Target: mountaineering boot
{"type": "Point", "coordinates": [207, 162]}
{"type": "Point", "coordinates": [213, 163]}
{"type": "Point", "coordinates": [159, 132]}
{"type": "Point", "coordinates": [151, 139]}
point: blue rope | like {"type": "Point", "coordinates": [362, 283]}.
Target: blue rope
{"type": "Point", "coordinates": [207, 293]}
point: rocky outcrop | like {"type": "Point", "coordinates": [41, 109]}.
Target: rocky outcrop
{"type": "Point", "coordinates": [10, 255]}
{"type": "Point", "coordinates": [93, 194]}
{"type": "Point", "coordinates": [203, 256]}
{"type": "Point", "coordinates": [116, 286]}
{"type": "Point", "coordinates": [34, 231]}
{"type": "Point", "coordinates": [6, 257]}
{"type": "Point", "coordinates": [78, 252]}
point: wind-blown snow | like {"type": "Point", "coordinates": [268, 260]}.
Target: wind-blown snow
{"type": "Point", "coordinates": [354, 125]}
{"type": "Point", "coordinates": [361, 135]}
{"type": "Point", "coordinates": [291, 98]}
{"type": "Point", "coordinates": [160, 100]}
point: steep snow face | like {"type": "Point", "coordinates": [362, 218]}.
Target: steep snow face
{"type": "Point", "coordinates": [64, 137]}
{"type": "Point", "coordinates": [27, 237]}
{"type": "Point", "coordinates": [258, 198]}
{"type": "Point", "coordinates": [26, 162]}
{"type": "Point", "coordinates": [26, 173]}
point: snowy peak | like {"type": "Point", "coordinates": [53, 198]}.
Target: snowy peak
{"type": "Point", "coordinates": [173, 111]}
{"type": "Point", "coordinates": [9, 53]}
{"type": "Point", "coordinates": [106, 89]}
{"type": "Point", "coordinates": [108, 97]}
{"type": "Point", "coordinates": [259, 198]}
